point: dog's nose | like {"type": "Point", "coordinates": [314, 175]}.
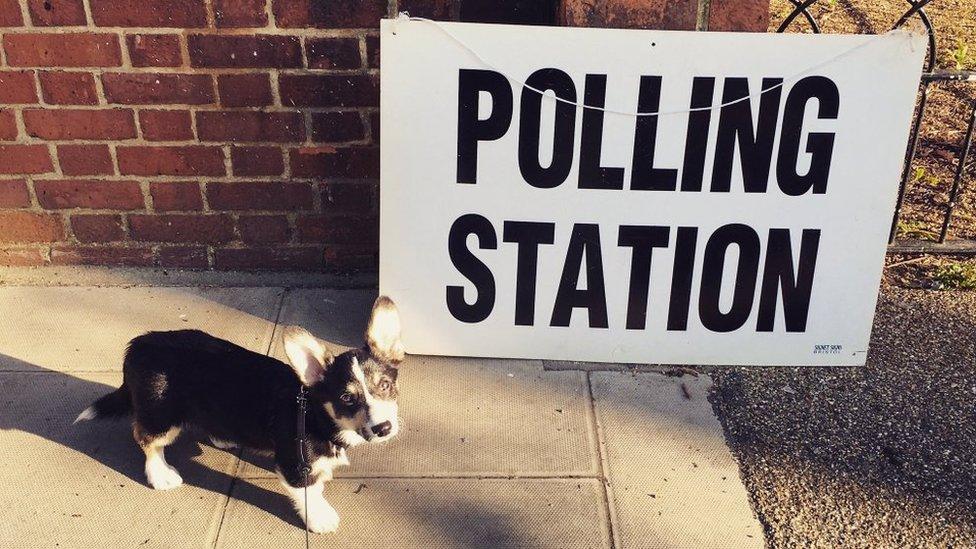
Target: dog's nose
{"type": "Point", "coordinates": [382, 429]}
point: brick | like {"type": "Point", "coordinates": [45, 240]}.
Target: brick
{"type": "Point", "coordinates": [8, 125]}
{"type": "Point", "coordinates": [257, 161]}
{"type": "Point", "coordinates": [353, 162]}
{"type": "Point", "coordinates": [332, 14]}
{"type": "Point", "coordinates": [97, 228]}
{"type": "Point", "coordinates": [68, 88]}
{"type": "Point", "coordinates": [102, 255]}
{"type": "Point", "coordinates": [17, 87]}
{"type": "Point", "coordinates": [341, 230]}
{"type": "Point", "coordinates": [10, 15]}
{"type": "Point", "coordinates": [57, 13]}
{"type": "Point", "coordinates": [373, 51]}
{"type": "Point", "coordinates": [243, 126]}
{"type": "Point", "coordinates": [154, 50]}
{"type": "Point", "coordinates": [738, 15]}
{"type": "Point", "coordinates": [14, 194]}
{"type": "Point", "coordinates": [169, 196]}
{"type": "Point", "coordinates": [157, 88]}
{"type": "Point", "coordinates": [276, 258]}
{"type": "Point", "coordinates": [253, 51]}
{"type": "Point", "coordinates": [335, 127]}
{"type": "Point", "coordinates": [347, 197]}
{"type": "Point", "coordinates": [263, 229]}
{"type": "Point", "coordinates": [255, 195]}
{"type": "Point", "coordinates": [181, 228]}
{"type": "Point", "coordinates": [149, 13]}
{"type": "Point", "coordinates": [329, 90]}
{"type": "Point", "coordinates": [165, 125]}
{"type": "Point", "coordinates": [184, 257]}
{"type": "Point", "coordinates": [333, 53]}
{"type": "Point", "coordinates": [21, 258]}
{"type": "Point", "coordinates": [244, 90]}
{"type": "Point", "coordinates": [431, 9]}
{"type": "Point", "coordinates": [30, 227]}
{"type": "Point", "coordinates": [653, 14]}
{"type": "Point", "coordinates": [20, 159]}
{"type": "Point", "coordinates": [90, 194]}
{"type": "Point", "coordinates": [62, 50]}
{"type": "Point", "coordinates": [182, 160]}
{"type": "Point", "coordinates": [350, 258]}
{"type": "Point", "coordinates": [64, 124]}
{"type": "Point", "coordinates": [85, 160]}
{"type": "Point", "coordinates": [240, 13]}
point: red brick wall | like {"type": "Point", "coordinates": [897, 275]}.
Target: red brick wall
{"type": "Point", "coordinates": [224, 134]}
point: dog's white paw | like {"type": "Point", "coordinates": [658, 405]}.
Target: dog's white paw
{"type": "Point", "coordinates": [222, 444]}
{"type": "Point", "coordinates": [163, 478]}
{"type": "Point", "coordinates": [322, 519]}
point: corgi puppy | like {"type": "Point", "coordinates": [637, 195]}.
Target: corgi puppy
{"type": "Point", "coordinates": [187, 378]}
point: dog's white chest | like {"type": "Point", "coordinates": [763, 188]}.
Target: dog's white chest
{"type": "Point", "coordinates": [325, 465]}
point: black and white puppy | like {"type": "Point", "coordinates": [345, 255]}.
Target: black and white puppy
{"type": "Point", "coordinates": [188, 378]}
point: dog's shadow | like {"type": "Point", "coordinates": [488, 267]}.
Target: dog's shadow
{"type": "Point", "coordinates": [44, 403]}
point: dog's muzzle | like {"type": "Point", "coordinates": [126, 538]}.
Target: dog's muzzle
{"type": "Point", "coordinates": [382, 429]}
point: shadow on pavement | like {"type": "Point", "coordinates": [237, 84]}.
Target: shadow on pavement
{"type": "Point", "coordinates": [44, 403]}
{"type": "Point", "coordinates": [40, 402]}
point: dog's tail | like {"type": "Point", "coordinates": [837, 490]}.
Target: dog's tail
{"type": "Point", "coordinates": [115, 404]}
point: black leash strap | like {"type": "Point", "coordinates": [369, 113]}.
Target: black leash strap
{"type": "Point", "coordinates": [300, 441]}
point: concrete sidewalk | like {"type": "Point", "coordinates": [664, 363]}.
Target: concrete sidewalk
{"type": "Point", "coordinates": [493, 453]}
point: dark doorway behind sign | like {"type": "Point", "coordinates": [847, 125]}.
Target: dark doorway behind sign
{"type": "Point", "coordinates": [526, 12]}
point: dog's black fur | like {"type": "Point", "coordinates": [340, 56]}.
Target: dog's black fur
{"type": "Point", "coordinates": [190, 378]}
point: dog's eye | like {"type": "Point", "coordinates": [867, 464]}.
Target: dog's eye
{"type": "Point", "coordinates": [346, 397]}
{"type": "Point", "coordinates": [385, 385]}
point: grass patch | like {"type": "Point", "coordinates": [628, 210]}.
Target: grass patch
{"type": "Point", "coordinates": [955, 276]}
{"type": "Point", "coordinates": [915, 229]}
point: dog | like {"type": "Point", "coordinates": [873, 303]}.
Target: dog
{"type": "Point", "coordinates": [188, 378]}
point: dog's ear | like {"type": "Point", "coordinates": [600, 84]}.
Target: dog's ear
{"type": "Point", "coordinates": [383, 332]}
{"type": "Point", "coordinates": [306, 353]}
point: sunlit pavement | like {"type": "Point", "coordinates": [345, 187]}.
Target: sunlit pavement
{"type": "Point", "coordinates": [493, 453]}
{"type": "Point", "coordinates": [503, 453]}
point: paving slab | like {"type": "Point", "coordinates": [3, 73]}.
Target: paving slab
{"type": "Point", "coordinates": [672, 480]}
{"type": "Point", "coordinates": [86, 329]}
{"type": "Point", "coordinates": [83, 485]}
{"type": "Point", "coordinates": [460, 417]}
{"type": "Point", "coordinates": [427, 514]}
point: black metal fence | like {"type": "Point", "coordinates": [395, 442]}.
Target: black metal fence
{"type": "Point", "coordinates": [929, 76]}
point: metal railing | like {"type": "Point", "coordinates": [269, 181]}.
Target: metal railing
{"type": "Point", "coordinates": [929, 76]}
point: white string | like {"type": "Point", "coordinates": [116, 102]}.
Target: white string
{"type": "Point", "coordinates": [404, 16]}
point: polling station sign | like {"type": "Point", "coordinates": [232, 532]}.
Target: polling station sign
{"type": "Point", "coordinates": [639, 196]}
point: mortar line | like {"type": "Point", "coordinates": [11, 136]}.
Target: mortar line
{"type": "Point", "coordinates": [600, 443]}
{"type": "Point", "coordinates": [704, 11]}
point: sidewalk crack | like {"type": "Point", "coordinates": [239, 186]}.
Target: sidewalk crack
{"type": "Point", "coordinates": [604, 476]}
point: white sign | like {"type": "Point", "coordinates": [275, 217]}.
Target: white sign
{"type": "Point", "coordinates": [714, 232]}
